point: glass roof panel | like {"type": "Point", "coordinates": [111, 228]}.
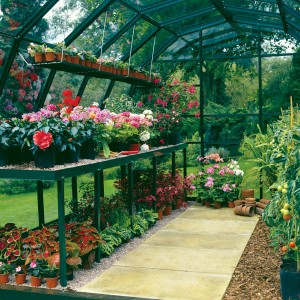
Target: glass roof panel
{"type": "Point", "coordinates": [145, 53]}
{"type": "Point", "coordinates": [122, 45]}
{"type": "Point", "coordinates": [63, 18]}
{"type": "Point", "coordinates": [15, 13]}
{"type": "Point", "coordinates": [292, 4]}
{"type": "Point", "coordinates": [262, 5]}
{"type": "Point", "coordinates": [180, 10]}
{"type": "Point", "coordinates": [196, 21]}
{"type": "Point", "coordinates": [140, 4]}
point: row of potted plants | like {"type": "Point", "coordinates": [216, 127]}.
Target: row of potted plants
{"type": "Point", "coordinates": [216, 183]}
{"type": "Point", "coordinates": [60, 52]}
{"type": "Point", "coordinates": [67, 128]}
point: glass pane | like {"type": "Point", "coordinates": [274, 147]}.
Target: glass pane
{"type": "Point", "coordinates": [94, 91]}
{"type": "Point", "coordinates": [61, 82]}
{"type": "Point", "coordinates": [269, 5]}
{"type": "Point", "coordinates": [139, 4]}
{"type": "Point", "coordinates": [122, 45]}
{"type": "Point", "coordinates": [116, 18]}
{"type": "Point", "coordinates": [180, 9]}
{"type": "Point", "coordinates": [63, 18]}
{"type": "Point", "coordinates": [22, 86]}
{"type": "Point", "coordinates": [5, 47]}
{"type": "Point", "coordinates": [145, 53]}
{"type": "Point", "coordinates": [15, 13]}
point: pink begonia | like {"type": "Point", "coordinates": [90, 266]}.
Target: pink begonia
{"type": "Point", "coordinates": [226, 188]}
{"type": "Point", "coordinates": [33, 264]}
{"type": "Point", "coordinates": [210, 179]}
{"type": "Point", "coordinates": [216, 166]}
{"type": "Point", "coordinates": [209, 184]}
{"type": "Point", "coordinates": [200, 173]}
{"type": "Point", "coordinates": [222, 172]}
{"type": "Point", "coordinates": [191, 89]}
{"type": "Point", "coordinates": [210, 170]}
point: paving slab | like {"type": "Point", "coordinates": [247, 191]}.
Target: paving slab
{"type": "Point", "coordinates": [193, 257]}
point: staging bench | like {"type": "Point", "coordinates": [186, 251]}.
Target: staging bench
{"type": "Point", "coordinates": [59, 173]}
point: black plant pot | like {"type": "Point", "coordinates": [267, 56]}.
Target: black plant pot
{"type": "Point", "coordinates": [73, 156]}
{"type": "Point", "coordinates": [4, 157]}
{"type": "Point", "coordinates": [44, 158]}
{"type": "Point", "coordinates": [87, 150]}
{"type": "Point", "coordinates": [289, 282]}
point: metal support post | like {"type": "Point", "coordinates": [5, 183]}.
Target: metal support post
{"type": "Point", "coordinates": [40, 198]}
{"type": "Point", "coordinates": [154, 180]}
{"type": "Point", "coordinates": [74, 188]}
{"type": "Point", "coordinates": [173, 164]}
{"type": "Point", "coordinates": [184, 163]}
{"type": "Point", "coordinates": [62, 231]}
{"type": "Point", "coordinates": [201, 100]}
{"type": "Point", "coordinates": [130, 190]}
{"type": "Point", "coordinates": [97, 207]}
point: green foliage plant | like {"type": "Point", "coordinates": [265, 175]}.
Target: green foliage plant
{"type": "Point", "coordinates": [283, 213]}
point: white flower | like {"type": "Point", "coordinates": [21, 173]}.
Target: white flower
{"type": "Point", "coordinates": [147, 112]}
{"type": "Point", "coordinates": [144, 147]}
{"type": "Point", "coordinates": [239, 172]}
{"type": "Point", "coordinates": [95, 104]}
{"type": "Point", "coordinates": [144, 136]}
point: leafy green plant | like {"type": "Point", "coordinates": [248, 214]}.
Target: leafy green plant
{"type": "Point", "coordinates": [256, 149]}
{"type": "Point", "coordinates": [283, 213]}
{"type": "Point", "coordinates": [149, 215]}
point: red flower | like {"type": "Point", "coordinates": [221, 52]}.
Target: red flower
{"type": "Point", "coordinates": [33, 77]}
{"type": "Point", "coordinates": [67, 93]}
{"type": "Point", "coordinates": [42, 139]}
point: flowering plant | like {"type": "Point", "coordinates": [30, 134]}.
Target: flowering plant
{"type": "Point", "coordinates": [42, 139]}
{"type": "Point", "coordinates": [5, 268]}
{"type": "Point", "coordinates": [37, 267]}
{"type": "Point", "coordinates": [35, 48]}
{"type": "Point", "coordinates": [18, 270]}
{"type": "Point", "coordinates": [216, 182]}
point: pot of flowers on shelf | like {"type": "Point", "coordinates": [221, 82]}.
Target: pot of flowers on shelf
{"type": "Point", "coordinates": [50, 274]}
{"type": "Point", "coordinates": [49, 54]}
{"type": "Point", "coordinates": [89, 59]}
{"type": "Point", "coordinates": [37, 52]}
{"type": "Point", "coordinates": [20, 274]}
{"type": "Point", "coordinates": [5, 270]}
{"type": "Point", "coordinates": [59, 49]}
{"type": "Point", "coordinates": [36, 269]}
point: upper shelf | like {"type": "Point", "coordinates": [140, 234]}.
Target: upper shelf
{"type": "Point", "coordinates": [99, 72]}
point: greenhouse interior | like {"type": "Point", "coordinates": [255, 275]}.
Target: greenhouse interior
{"type": "Point", "coordinates": [150, 149]}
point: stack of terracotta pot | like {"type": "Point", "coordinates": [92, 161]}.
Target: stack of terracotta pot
{"type": "Point", "coordinates": [246, 205]}
{"type": "Point", "coordinates": [261, 205]}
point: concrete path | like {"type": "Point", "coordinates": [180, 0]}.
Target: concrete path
{"type": "Point", "coordinates": [193, 257]}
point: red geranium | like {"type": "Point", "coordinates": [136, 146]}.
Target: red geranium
{"type": "Point", "coordinates": [42, 139]}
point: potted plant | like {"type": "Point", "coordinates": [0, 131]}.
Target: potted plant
{"type": "Point", "coordinates": [43, 149]}
{"type": "Point", "coordinates": [282, 213]}
{"type": "Point", "coordinates": [50, 274]}
{"type": "Point", "coordinates": [59, 49]}
{"type": "Point", "coordinates": [20, 274]}
{"type": "Point", "coordinates": [5, 270]}
{"type": "Point", "coordinates": [36, 270]}
{"type": "Point", "coordinates": [5, 133]}
{"type": "Point", "coordinates": [49, 54]}
{"type": "Point", "coordinates": [36, 51]}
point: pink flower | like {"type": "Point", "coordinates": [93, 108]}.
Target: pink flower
{"type": "Point", "coordinates": [33, 264]}
{"type": "Point", "coordinates": [222, 172]}
{"type": "Point", "coordinates": [197, 114]}
{"type": "Point", "coordinates": [140, 104]}
{"type": "Point", "coordinates": [210, 170]}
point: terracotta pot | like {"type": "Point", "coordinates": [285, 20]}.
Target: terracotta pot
{"type": "Point", "coordinates": [4, 278]}
{"type": "Point", "coordinates": [88, 260]}
{"type": "Point", "coordinates": [207, 203]}
{"type": "Point", "coordinates": [249, 193]}
{"type": "Point", "coordinates": [160, 214]}
{"type": "Point", "coordinates": [230, 204]}
{"type": "Point", "coordinates": [95, 65]}
{"type": "Point", "coordinates": [217, 204]}
{"type": "Point", "coordinates": [261, 205]}
{"type": "Point", "coordinates": [82, 62]}
{"type": "Point", "coordinates": [36, 281]}
{"type": "Point", "coordinates": [51, 283]}
{"type": "Point", "coordinates": [49, 56]}
{"type": "Point", "coordinates": [75, 59]}
{"type": "Point", "coordinates": [178, 204]}
{"type": "Point", "coordinates": [88, 63]}
{"type": "Point", "coordinates": [265, 201]}
{"type": "Point", "coordinates": [168, 211]}
{"type": "Point", "coordinates": [59, 56]}
{"type": "Point", "coordinates": [238, 202]}
{"type": "Point", "coordinates": [20, 278]}
{"type": "Point", "coordinates": [39, 57]}
{"type": "Point", "coordinates": [68, 58]}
